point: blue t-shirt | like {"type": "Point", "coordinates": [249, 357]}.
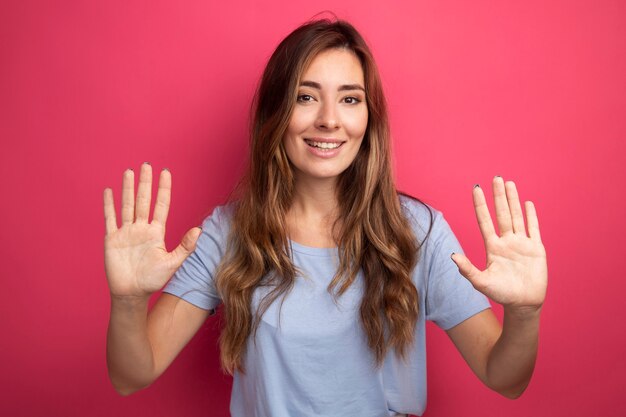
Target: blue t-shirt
{"type": "Point", "coordinates": [314, 360]}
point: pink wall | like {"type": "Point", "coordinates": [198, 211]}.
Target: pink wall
{"type": "Point", "coordinates": [534, 91]}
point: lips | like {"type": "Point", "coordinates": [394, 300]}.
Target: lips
{"type": "Point", "coordinates": [324, 143]}
{"type": "Point", "coordinates": [324, 148]}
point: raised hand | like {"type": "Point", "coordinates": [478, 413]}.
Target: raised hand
{"type": "Point", "coordinates": [516, 273]}
{"type": "Point", "coordinates": [135, 258]}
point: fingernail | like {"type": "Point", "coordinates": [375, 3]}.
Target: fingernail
{"type": "Point", "coordinates": [130, 169]}
{"type": "Point", "coordinates": [476, 185]}
{"type": "Point", "coordinates": [146, 163]}
{"type": "Point", "coordinates": [497, 176]}
{"type": "Point", "coordinates": [165, 169]}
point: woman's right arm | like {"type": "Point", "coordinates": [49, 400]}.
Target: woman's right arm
{"type": "Point", "coordinates": [142, 344]}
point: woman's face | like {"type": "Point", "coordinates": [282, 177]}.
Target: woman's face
{"type": "Point", "coordinates": [329, 118]}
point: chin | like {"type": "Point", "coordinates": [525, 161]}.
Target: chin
{"type": "Point", "coordinates": [321, 175]}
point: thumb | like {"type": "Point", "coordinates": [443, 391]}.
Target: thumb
{"type": "Point", "coordinates": [187, 245]}
{"type": "Point", "coordinates": [466, 268]}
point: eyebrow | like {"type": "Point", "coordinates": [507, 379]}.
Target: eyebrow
{"type": "Point", "coordinates": [345, 87]}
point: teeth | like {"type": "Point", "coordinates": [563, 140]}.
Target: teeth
{"type": "Point", "coordinates": [324, 145]}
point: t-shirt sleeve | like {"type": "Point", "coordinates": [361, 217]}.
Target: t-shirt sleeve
{"type": "Point", "coordinates": [450, 298]}
{"type": "Point", "coordinates": [194, 281]}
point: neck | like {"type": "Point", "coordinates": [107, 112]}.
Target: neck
{"type": "Point", "coordinates": [315, 198]}
{"type": "Point", "coordinates": [313, 212]}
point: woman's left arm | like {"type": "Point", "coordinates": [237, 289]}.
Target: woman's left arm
{"type": "Point", "coordinates": [516, 276]}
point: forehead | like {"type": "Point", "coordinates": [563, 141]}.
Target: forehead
{"type": "Point", "coordinates": [337, 65]}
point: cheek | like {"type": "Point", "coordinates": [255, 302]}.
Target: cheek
{"type": "Point", "coordinates": [292, 142]}
{"type": "Point", "coordinates": [289, 145]}
{"type": "Point", "coordinates": [300, 121]}
{"type": "Point", "coordinates": [291, 136]}
{"type": "Point", "coordinates": [358, 124]}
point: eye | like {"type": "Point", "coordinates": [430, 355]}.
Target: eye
{"type": "Point", "coordinates": [352, 100]}
{"type": "Point", "coordinates": [304, 98]}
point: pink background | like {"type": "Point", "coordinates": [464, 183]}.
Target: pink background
{"type": "Point", "coordinates": [534, 91]}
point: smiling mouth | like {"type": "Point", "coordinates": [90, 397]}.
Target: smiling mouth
{"type": "Point", "coordinates": [323, 145]}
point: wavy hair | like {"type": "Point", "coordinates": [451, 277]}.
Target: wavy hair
{"type": "Point", "coordinates": [373, 235]}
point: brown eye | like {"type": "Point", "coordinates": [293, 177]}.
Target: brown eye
{"type": "Point", "coordinates": [352, 100]}
{"type": "Point", "coordinates": [305, 98]}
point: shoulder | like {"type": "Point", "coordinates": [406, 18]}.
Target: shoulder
{"type": "Point", "coordinates": [219, 221]}
{"type": "Point", "coordinates": [415, 208]}
{"type": "Point", "coordinates": [423, 218]}
{"type": "Point", "coordinates": [223, 213]}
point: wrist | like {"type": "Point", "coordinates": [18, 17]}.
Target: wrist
{"type": "Point", "coordinates": [523, 312]}
{"type": "Point", "coordinates": [130, 300]}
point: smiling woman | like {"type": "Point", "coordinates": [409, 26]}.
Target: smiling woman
{"type": "Point", "coordinates": [327, 274]}
{"type": "Point", "coordinates": [329, 119]}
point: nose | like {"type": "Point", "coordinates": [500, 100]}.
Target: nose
{"type": "Point", "coordinates": [327, 117]}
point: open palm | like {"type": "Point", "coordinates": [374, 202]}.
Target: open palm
{"type": "Point", "coordinates": [135, 258]}
{"type": "Point", "coordinates": [516, 273]}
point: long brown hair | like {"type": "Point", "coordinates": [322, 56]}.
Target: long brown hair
{"type": "Point", "coordinates": [373, 234]}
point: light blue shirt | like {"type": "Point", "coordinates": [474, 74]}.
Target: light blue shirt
{"type": "Point", "coordinates": [313, 360]}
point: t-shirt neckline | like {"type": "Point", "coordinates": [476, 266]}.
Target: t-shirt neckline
{"type": "Point", "coordinates": [310, 250]}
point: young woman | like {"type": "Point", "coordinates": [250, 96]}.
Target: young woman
{"type": "Point", "coordinates": [326, 273]}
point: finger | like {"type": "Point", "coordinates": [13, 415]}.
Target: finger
{"type": "Point", "coordinates": [467, 268]}
{"type": "Point", "coordinates": [532, 221]}
{"type": "Point", "coordinates": [517, 217]}
{"type": "Point", "coordinates": [187, 245]}
{"type": "Point", "coordinates": [162, 205]}
{"type": "Point", "coordinates": [110, 222]}
{"type": "Point", "coordinates": [144, 193]}
{"type": "Point", "coordinates": [128, 193]}
{"type": "Point", "coordinates": [483, 217]}
{"type": "Point", "coordinates": [503, 213]}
